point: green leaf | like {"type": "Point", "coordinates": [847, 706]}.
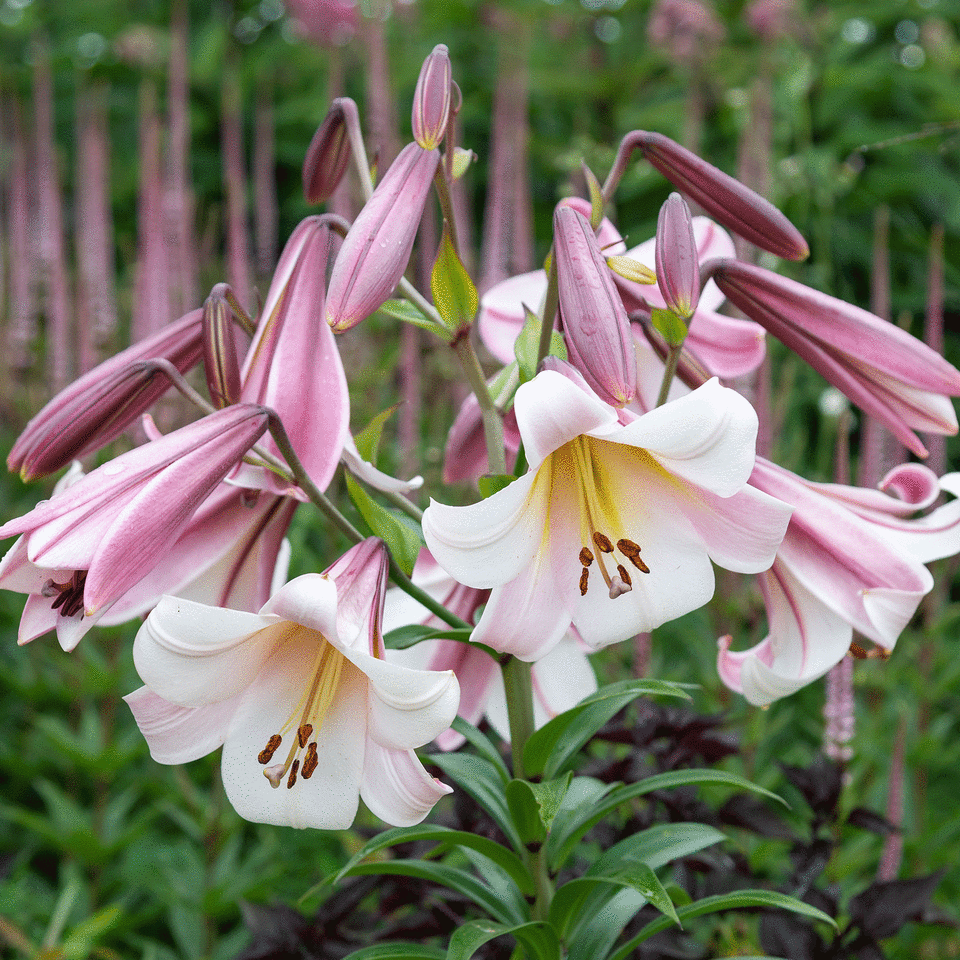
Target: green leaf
{"type": "Point", "coordinates": [368, 439]}
{"type": "Point", "coordinates": [454, 294]}
{"type": "Point", "coordinates": [527, 345]}
{"type": "Point", "coordinates": [740, 900]}
{"type": "Point", "coordinates": [491, 483]}
{"type": "Point", "coordinates": [669, 326]}
{"type": "Point", "coordinates": [405, 311]}
{"type": "Point", "coordinates": [551, 747]}
{"type": "Point", "coordinates": [526, 813]}
{"type": "Point", "coordinates": [564, 839]}
{"type": "Point", "coordinates": [538, 939]}
{"type": "Point", "coordinates": [81, 941]}
{"type": "Point", "coordinates": [445, 838]}
{"type": "Point", "coordinates": [482, 744]}
{"type": "Point", "coordinates": [631, 269]}
{"type": "Point", "coordinates": [412, 634]}
{"type": "Point", "coordinates": [483, 781]}
{"type": "Point", "coordinates": [400, 950]}
{"type": "Point", "coordinates": [462, 158]}
{"type": "Point", "coordinates": [497, 905]}
{"type": "Point", "coordinates": [596, 196]}
{"type": "Point", "coordinates": [396, 529]}
{"type": "Point", "coordinates": [550, 796]}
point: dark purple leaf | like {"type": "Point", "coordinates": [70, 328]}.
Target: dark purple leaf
{"type": "Point", "coordinates": [883, 908]}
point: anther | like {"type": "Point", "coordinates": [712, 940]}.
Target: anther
{"type": "Point", "coordinates": [584, 577]}
{"type": "Point", "coordinates": [603, 543]}
{"type": "Point", "coordinates": [266, 754]}
{"type": "Point", "coordinates": [303, 734]}
{"type": "Point", "coordinates": [310, 762]}
{"type": "Point", "coordinates": [618, 588]}
{"type": "Point", "coordinates": [586, 556]}
{"type": "Point", "coordinates": [624, 576]}
{"type": "Point", "coordinates": [292, 779]}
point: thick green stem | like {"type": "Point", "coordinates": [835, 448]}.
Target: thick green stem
{"type": "Point", "coordinates": [669, 372]}
{"type": "Point", "coordinates": [492, 421]}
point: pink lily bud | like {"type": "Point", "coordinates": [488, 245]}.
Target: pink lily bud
{"type": "Point", "coordinates": [727, 200]}
{"type": "Point", "coordinates": [431, 99]}
{"type": "Point", "coordinates": [678, 267]}
{"type": "Point", "coordinates": [891, 375]}
{"type": "Point", "coordinates": [329, 151]}
{"type": "Point", "coordinates": [595, 323]}
{"type": "Point", "coordinates": [377, 249]}
{"type": "Point", "coordinates": [220, 350]}
{"type": "Point", "coordinates": [99, 406]}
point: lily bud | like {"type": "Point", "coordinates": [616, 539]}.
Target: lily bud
{"type": "Point", "coordinates": [99, 406]}
{"type": "Point", "coordinates": [329, 151]}
{"type": "Point", "coordinates": [220, 361]}
{"type": "Point", "coordinates": [377, 249]}
{"type": "Point", "coordinates": [678, 266]}
{"type": "Point", "coordinates": [727, 200]}
{"type": "Point", "coordinates": [595, 323]}
{"type": "Point", "coordinates": [431, 99]}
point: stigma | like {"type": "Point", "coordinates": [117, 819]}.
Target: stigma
{"type": "Point", "coordinates": [621, 581]}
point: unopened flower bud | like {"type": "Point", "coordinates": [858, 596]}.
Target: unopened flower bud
{"type": "Point", "coordinates": [377, 249]}
{"type": "Point", "coordinates": [728, 201]}
{"type": "Point", "coordinates": [678, 267]}
{"type": "Point", "coordinates": [431, 99]}
{"type": "Point", "coordinates": [329, 151]}
{"type": "Point", "coordinates": [99, 406]}
{"type": "Point", "coordinates": [220, 359]}
{"type": "Point", "coordinates": [595, 324]}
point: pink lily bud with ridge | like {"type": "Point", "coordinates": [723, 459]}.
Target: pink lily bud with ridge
{"type": "Point", "coordinates": [725, 199]}
{"type": "Point", "coordinates": [431, 99]}
{"type": "Point", "coordinates": [377, 248]}
{"type": "Point", "coordinates": [84, 548]}
{"type": "Point", "coordinates": [595, 324]}
{"type": "Point", "coordinates": [329, 152]}
{"type": "Point", "coordinates": [220, 362]}
{"type": "Point", "coordinates": [293, 365]}
{"type": "Point", "coordinates": [678, 266]}
{"type": "Point", "coordinates": [99, 406]}
{"type": "Point", "coordinates": [888, 373]}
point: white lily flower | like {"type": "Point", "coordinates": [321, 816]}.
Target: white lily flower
{"type": "Point", "coordinates": [310, 714]}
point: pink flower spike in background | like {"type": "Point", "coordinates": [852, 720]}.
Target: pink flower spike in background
{"type": "Point", "coordinates": [888, 373]}
{"type": "Point", "coordinates": [311, 716]}
{"type": "Point", "coordinates": [614, 526]}
{"type": "Point", "coordinates": [377, 249]}
{"type": "Point", "coordinates": [561, 679]}
{"type": "Point", "coordinates": [84, 548]}
{"type": "Point", "coordinates": [846, 563]}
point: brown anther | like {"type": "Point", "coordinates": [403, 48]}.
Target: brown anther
{"type": "Point", "coordinates": [624, 576]}
{"type": "Point", "coordinates": [586, 556]}
{"type": "Point", "coordinates": [266, 754]}
{"type": "Point", "coordinates": [303, 734]}
{"type": "Point", "coordinates": [858, 652]}
{"type": "Point", "coordinates": [628, 548]}
{"type": "Point", "coordinates": [603, 543]}
{"type": "Point", "coordinates": [584, 577]}
{"type": "Point", "coordinates": [292, 779]}
{"type": "Point", "coordinates": [70, 599]}
{"type": "Point", "coordinates": [639, 564]}
{"type": "Point", "coordinates": [310, 762]}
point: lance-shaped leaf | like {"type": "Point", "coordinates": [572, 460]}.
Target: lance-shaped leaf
{"type": "Point", "coordinates": [453, 291]}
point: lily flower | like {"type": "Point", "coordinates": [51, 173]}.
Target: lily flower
{"type": "Point", "coordinates": [614, 526]}
{"type": "Point", "coordinates": [888, 373]}
{"type": "Point", "coordinates": [89, 544]}
{"type": "Point", "coordinates": [851, 560]}
{"type": "Point", "coordinates": [310, 714]}
{"type": "Point", "coordinates": [293, 365]}
{"type": "Point", "coordinates": [561, 679]}
{"type": "Point", "coordinates": [101, 404]}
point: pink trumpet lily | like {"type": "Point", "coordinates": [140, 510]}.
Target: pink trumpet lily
{"type": "Point", "coordinates": [310, 715]}
{"type": "Point", "coordinates": [82, 550]}
{"type": "Point", "coordinates": [881, 368]}
{"type": "Point", "coordinates": [561, 679]}
{"type": "Point", "coordinates": [851, 560]}
{"type": "Point", "coordinates": [614, 526]}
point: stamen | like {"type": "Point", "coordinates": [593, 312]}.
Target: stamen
{"type": "Point", "coordinates": [292, 779]}
{"type": "Point", "coordinates": [69, 595]}
{"type": "Point", "coordinates": [632, 552]}
{"type": "Point", "coordinates": [303, 734]}
{"type": "Point", "coordinates": [624, 576]}
{"type": "Point", "coordinates": [603, 543]}
{"type": "Point", "coordinates": [586, 556]}
{"type": "Point", "coordinates": [584, 577]}
{"type": "Point", "coordinates": [266, 754]}
{"type": "Point", "coordinates": [311, 762]}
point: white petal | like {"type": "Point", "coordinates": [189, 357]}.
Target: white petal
{"type": "Point", "coordinates": [370, 475]}
{"type": "Point", "coordinates": [310, 600]}
{"type": "Point", "coordinates": [396, 788]}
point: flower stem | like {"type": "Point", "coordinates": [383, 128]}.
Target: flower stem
{"type": "Point", "coordinates": [549, 310]}
{"type": "Point", "coordinates": [492, 422]}
{"type": "Point", "coordinates": [669, 372]}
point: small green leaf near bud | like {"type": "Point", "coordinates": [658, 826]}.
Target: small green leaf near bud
{"type": "Point", "coordinates": [491, 483]}
{"type": "Point", "coordinates": [454, 293]}
{"type": "Point", "coordinates": [669, 326]}
{"type": "Point", "coordinates": [406, 312]}
{"type": "Point", "coordinates": [631, 269]}
{"type": "Point", "coordinates": [462, 158]}
{"type": "Point", "coordinates": [596, 196]}
{"type": "Point", "coordinates": [368, 439]}
{"type": "Point", "coordinates": [397, 530]}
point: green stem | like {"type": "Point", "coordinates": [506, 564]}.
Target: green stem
{"type": "Point", "coordinates": [446, 207]}
{"type": "Point", "coordinates": [492, 420]}
{"type": "Point", "coordinates": [549, 310]}
{"type": "Point", "coordinates": [669, 372]}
